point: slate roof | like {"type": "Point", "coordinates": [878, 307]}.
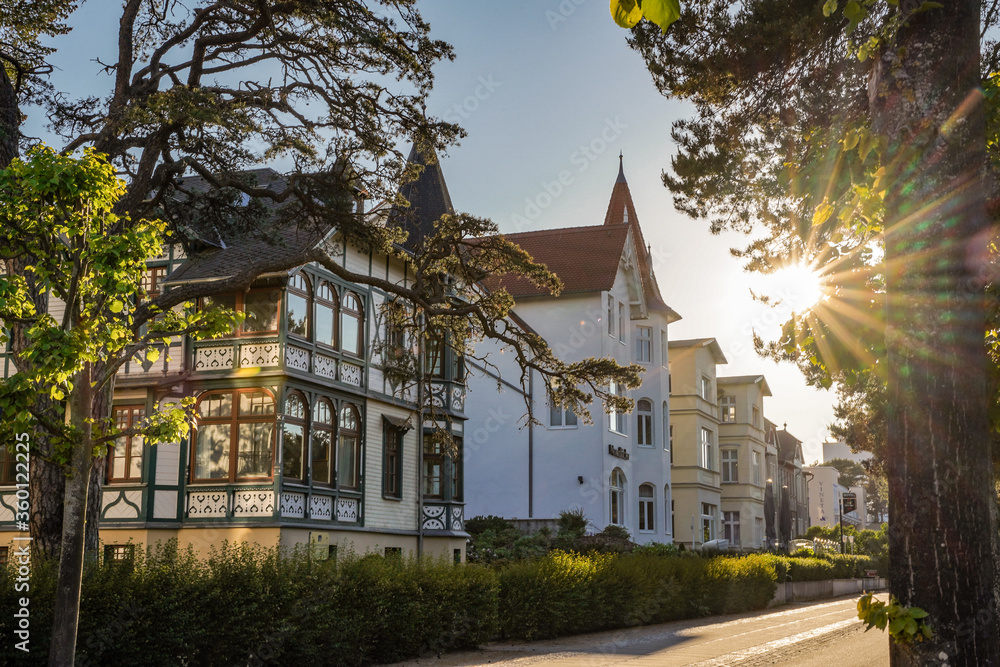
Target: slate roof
{"type": "Point", "coordinates": [429, 200]}
{"type": "Point", "coordinates": [787, 445]}
{"type": "Point", "coordinates": [585, 259]}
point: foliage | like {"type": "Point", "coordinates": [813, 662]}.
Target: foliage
{"type": "Point", "coordinates": [573, 523]}
{"type": "Point", "coordinates": [495, 541]}
{"type": "Point", "coordinates": [663, 13]}
{"type": "Point", "coordinates": [851, 472]}
{"type": "Point", "coordinates": [171, 608]}
{"type": "Point", "coordinates": [905, 624]}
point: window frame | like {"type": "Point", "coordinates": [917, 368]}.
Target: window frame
{"type": "Point", "coordinates": [731, 527]}
{"type": "Point", "coordinates": [707, 460]}
{"type": "Point", "coordinates": [234, 421]}
{"type": "Point", "coordinates": [112, 447]}
{"type": "Point", "coordinates": [644, 344]}
{"type": "Point", "coordinates": [618, 421]}
{"type": "Point", "coordinates": [617, 497]}
{"type": "Point", "coordinates": [239, 305]}
{"type": "Point", "coordinates": [727, 408]}
{"type": "Point", "coordinates": [647, 509]}
{"type": "Point", "coordinates": [327, 299]}
{"type": "Point", "coordinates": [300, 421]}
{"type": "Point", "coordinates": [563, 419]}
{"type": "Point", "coordinates": [706, 389]}
{"type": "Point", "coordinates": [644, 436]}
{"type": "Point", "coordinates": [709, 530]}
{"type": "Point", "coordinates": [392, 462]}
{"type": "Point", "coordinates": [611, 315]}
{"type": "Point", "coordinates": [357, 314]}
{"type": "Point", "coordinates": [342, 430]}
{"type": "Point", "coordinates": [729, 461]}
{"type": "Point", "coordinates": [295, 289]}
{"type": "Point", "coordinates": [621, 322]}
{"type": "Point", "coordinates": [755, 468]}
{"type": "Point", "coordinates": [317, 428]}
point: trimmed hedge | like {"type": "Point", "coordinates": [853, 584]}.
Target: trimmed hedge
{"type": "Point", "coordinates": [566, 593]}
{"type": "Point", "coordinates": [250, 606]}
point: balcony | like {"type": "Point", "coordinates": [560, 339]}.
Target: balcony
{"type": "Point", "coordinates": [443, 517]}
{"type": "Point", "coordinates": [232, 354]}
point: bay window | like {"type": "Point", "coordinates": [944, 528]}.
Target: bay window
{"type": "Point", "coordinates": [326, 315]}
{"type": "Point", "coordinates": [293, 438]}
{"type": "Point", "coordinates": [351, 327]}
{"type": "Point", "coordinates": [235, 434]}
{"type": "Point", "coordinates": [322, 441]}
{"type": "Point", "coordinates": [299, 305]}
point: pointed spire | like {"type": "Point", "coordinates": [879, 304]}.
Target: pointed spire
{"type": "Point", "coordinates": [621, 169]}
{"type": "Point", "coordinates": [428, 196]}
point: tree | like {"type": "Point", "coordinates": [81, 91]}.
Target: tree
{"type": "Point", "coordinates": [851, 472]}
{"type": "Point", "coordinates": [855, 141]}
{"type": "Point", "coordinates": [212, 90]}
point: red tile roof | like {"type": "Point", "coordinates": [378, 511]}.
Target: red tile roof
{"type": "Point", "coordinates": [585, 258]}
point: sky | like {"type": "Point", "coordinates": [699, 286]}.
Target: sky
{"type": "Point", "coordinates": [549, 92]}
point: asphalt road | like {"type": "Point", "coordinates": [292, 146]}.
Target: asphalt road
{"type": "Point", "coordinates": [812, 634]}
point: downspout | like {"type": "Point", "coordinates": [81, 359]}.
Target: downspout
{"type": "Point", "coordinates": [531, 448]}
{"type": "Point", "coordinates": [420, 435]}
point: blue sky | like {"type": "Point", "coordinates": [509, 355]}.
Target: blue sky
{"type": "Point", "coordinates": [546, 88]}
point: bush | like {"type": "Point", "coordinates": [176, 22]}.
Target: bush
{"type": "Point", "coordinates": [573, 523]}
{"type": "Point", "coordinates": [246, 605]}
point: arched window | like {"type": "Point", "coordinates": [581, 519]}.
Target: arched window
{"type": "Point", "coordinates": [644, 422]}
{"type": "Point", "coordinates": [647, 517]}
{"type": "Point", "coordinates": [351, 329]}
{"type": "Point", "coordinates": [234, 442]}
{"type": "Point", "coordinates": [322, 441]}
{"type": "Point", "coordinates": [667, 445]}
{"type": "Point", "coordinates": [299, 305]}
{"type": "Point", "coordinates": [293, 437]}
{"type": "Point", "coordinates": [617, 497]}
{"type": "Point", "coordinates": [348, 448]}
{"type": "Point", "coordinates": [326, 314]}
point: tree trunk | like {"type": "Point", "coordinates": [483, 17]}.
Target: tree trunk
{"type": "Point", "coordinates": [942, 531]}
{"type": "Point", "coordinates": [10, 119]}
{"type": "Point", "coordinates": [66, 612]}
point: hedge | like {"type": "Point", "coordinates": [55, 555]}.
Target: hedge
{"type": "Point", "coordinates": [252, 606]}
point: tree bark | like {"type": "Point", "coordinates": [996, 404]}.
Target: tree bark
{"type": "Point", "coordinates": [925, 98]}
{"type": "Point", "coordinates": [66, 611]}
{"type": "Point", "coordinates": [10, 119]}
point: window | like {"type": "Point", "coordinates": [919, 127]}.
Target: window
{"type": "Point", "coordinates": [561, 418]}
{"type": "Point", "coordinates": [644, 344]}
{"type": "Point", "coordinates": [731, 527]}
{"type": "Point", "coordinates": [293, 438]}
{"type": "Point", "coordinates": [322, 441]}
{"type": "Point", "coordinates": [119, 554]}
{"type": "Point", "coordinates": [233, 443]}
{"type": "Point", "coordinates": [644, 422]}
{"type": "Point", "coordinates": [730, 465]}
{"type": "Point", "coordinates": [617, 497]}
{"type": "Point", "coordinates": [668, 508]}
{"type": "Point", "coordinates": [434, 352]}
{"type": "Point", "coordinates": [647, 520]}
{"type": "Point", "coordinates": [755, 468]}
{"type": "Point", "coordinates": [326, 315]}
{"type": "Point", "coordinates": [611, 315]}
{"type": "Point", "coordinates": [617, 419]}
{"type": "Point", "coordinates": [125, 456]}
{"type": "Point", "coordinates": [706, 449]}
{"type": "Point", "coordinates": [261, 309]}
{"type": "Point", "coordinates": [756, 417]}
{"type": "Point", "coordinates": [8, 466]}
{"type": "Point", "coordinates": [348, 448]}
{"type": "Point", "coordinates": [351, 328]}
{"type": "Point", "coordinates": [152, 281]}
{"type": "Point", "coordinates": [667, 430]}
{"type": "Point", "coordinates": [433, 468]}
{"type": "Point", "coordinates": [673, 516]}
{"type": "Point", "coordinates": [621, 322]}
{"type": "Point", "coordinates": [707, 522]}
{"type": "Point", "coordinates": [671, 443]}
{"type": "Point", "coordinates": [392, 461]}
{"type": "Point", "coordinates": [728, 404]}
{"type": "Point", "coordinates": [260, 306]}
{"type": "Point", "coordinates": [663, 349]}
{"type": "Point", "coordinates": [706, 388]}
{"type": "Point", "coordinates": [758, 531]}
{"type": "Point", "coordinates": [298, 305]}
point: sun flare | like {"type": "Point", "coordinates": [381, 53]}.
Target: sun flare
{"type": "Point", "coordinates": [798, 286]}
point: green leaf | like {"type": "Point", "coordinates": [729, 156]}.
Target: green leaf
{"type": "Point", "coordinates": [917, 612]}
{"type": "Point", "coordinates": [626, 13]}
{"type": "Point", "coordinates": [662, 12]}
{"type": "Point", "coordinates": [829, 7]}
{"type": "Point", "coordinates": [822, 214]}
{"type": "Point", "coordinates": [116, 306]}
{"type": "Point", "coordinates": [152, 354]}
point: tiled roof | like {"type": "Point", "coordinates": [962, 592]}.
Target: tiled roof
{"type": "Point", "coordinates": [787, 445]}
{"type": "Point", "coordinates": [618, 206]}
{"type": "Point", "coordinates": [585, 259]}
{"type": "Point", "coordinates": [429, 200]}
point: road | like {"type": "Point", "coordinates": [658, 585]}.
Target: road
{"type": "Point", "coordinates": [808, 634]}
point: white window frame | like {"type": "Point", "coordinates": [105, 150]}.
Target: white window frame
{"type": "Point", "coordinates": [758, 531]}
{"type": "Point", "coordinates": [621, 322]}
{"type": "Point", "coordinates": [644, 344]}
{"type": "Point", "coordinates": [618, 421]}
{"type": "Point", "coordinates": [647, 509]}
{"type": "Point", "coordinates": [729, 459]}
{"type": "Point", "coordinates": [755, 469]}
{"type": "Point", "coordinates": [708, 527]}
{"type": "Point", "coordinates": [664, 344]}
{"type": "Point", "coordinates": [611, 316]}
{"type": "Point", "coordinates": [706, 449]}
{"type": "Point", "coordinates": [756, 416]}
{"type": "Point", "coordinates": [644, 423]}
{"type": "Point", "coordinates": [706, 388]}
{"type": "Point", "coordinates": [727, 408]}
{"type": "Point", "coordinates": [616, 497]}
{"type": "Point", "coordinates": [731, 527]}
{"type": "Point", "coordinates": [668, 511]}
{"type": "Point", "coordinates": [564, 420]}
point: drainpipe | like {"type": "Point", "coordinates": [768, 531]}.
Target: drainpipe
{"type": "Point", "coordinates": [531, 448]}
{"type": "Point", "coordinates": [420, 435]}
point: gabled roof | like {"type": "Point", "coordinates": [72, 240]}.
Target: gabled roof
{"type": "Point", "coordinates": [585, 259]}
{"type": "Point", "coordinates": [710, 343]}
{"type": "Point", "coordinates": [621, 211]}
{"type": "Point", "coordinates": [429, 200]}
{"type": "Point", "coordinates": [788, 446]}
{"type": "Point", "coordinates": [746, 379]}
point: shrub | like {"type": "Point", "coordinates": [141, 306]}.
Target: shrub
{"type": "Point", "coordinates": [573, 523]}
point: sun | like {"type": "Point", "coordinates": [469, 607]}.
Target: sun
{"type": "Point", "coordinates": [798, 286]}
